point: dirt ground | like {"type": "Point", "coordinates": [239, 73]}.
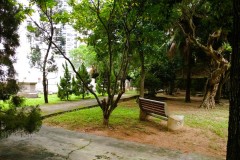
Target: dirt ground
{"type": "Point", "coordinates": [186, 140]}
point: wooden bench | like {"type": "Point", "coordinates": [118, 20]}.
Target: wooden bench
{"type": "Point", "coordinates": [153, 108]}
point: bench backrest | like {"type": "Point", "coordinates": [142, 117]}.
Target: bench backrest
{"type": "Point", "coordinates": [152, 106]}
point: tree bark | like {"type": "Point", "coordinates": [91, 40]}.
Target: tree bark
{"type": "Point", "coordinates": [223, 80]}
{"type": "Point", "coordinates": [105, 120]}
{"type": "Point", "coordinates": [45, 92]}
{"type": "Point", "coordinates": [211, 88]}
{"type": "Point", "coordinates": [106, 116]}
{"type": "Point", "coordinates": [189, 68]}
{"type": "Point", "coordinates": [208, 100]}
{"type": "Point", "coordinates": [142, 115]}
{"type": "Point", "coordinates": [142, 71]}
{"type": "Point", "coordinates": [171, 87]}
{"type": "Point", "coordinates": [233, 145]}
{"type": "Point", "coordinates": [106, 112]}
{"type": "Point", "coordinates": [219, 92]}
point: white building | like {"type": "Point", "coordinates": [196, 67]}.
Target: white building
{"type": "Point", "coordinates": [25, 73]}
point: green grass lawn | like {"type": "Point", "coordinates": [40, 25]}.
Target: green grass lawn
{"type": "Point", "coordinates": [93, 117]}
{"type": "Point", "coordinates": [215, 120]}
{"type": "Point", "coordinates": [127, 115]}
{"type": "Point", "coordinates": [53, 99]}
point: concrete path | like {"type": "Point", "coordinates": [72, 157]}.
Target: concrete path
{"type": "Point", "coordinates": [61, 144]}
{"type": "Point", "coordinates": [54, 109]}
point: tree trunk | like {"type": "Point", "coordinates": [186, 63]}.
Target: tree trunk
{"type": "Point", "coordinates": [106, 120]}
{"type": "Point", "coordinates": [208, 100]}
{"type": "Point", "coordinates": [221, 64]}
{"type": "Point", "coordinates": [142, 73]}
{"type": "Point", "coordinates": [188, 88]}
{"type": "Point", "coordinates": [142, 79]}
{"type": "Point", "coordinates": [106, 111]}
{"type": "Point", "coordinates": [189, 69]}
{"type": "Point", "coordinates": [219, 92]}
{"type": "Point", "coordinates": [233, 145]}
{"type": "Point", "coordinates": [212, 86]}
{"type": "Point", "coordinates": [45, 84]}
{"type": "Point", "coordinates": [224, 79]}
{"type": "Point", "coordinates": [142, 115]}
{"type": "Point", "coordinates": [45, 91]}
{"type": "Point", "coordinates": [171, 87]}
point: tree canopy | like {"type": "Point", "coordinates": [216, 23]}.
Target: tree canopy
{"type": "Point", "coordinates": [11, 15]}
{"type": "Point", "coordinates": [13, 118]}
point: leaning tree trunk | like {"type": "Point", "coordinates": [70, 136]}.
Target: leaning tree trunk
{"type": "Point", "coordinates": [212, 87]}
{"type": "Point", "coordinates": [219, 93]}
{"type": "Point", "coordinates": [210, 93]}
{"type": "Point", "coordinates": [223, 80]}
{"type": "Point", "coordinates": [221, 64]}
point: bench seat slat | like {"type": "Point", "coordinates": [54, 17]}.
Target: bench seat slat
{"type": "Point", "coordinates": [153, 108]}
{"type": "Point", "coordinates": [151, 103]}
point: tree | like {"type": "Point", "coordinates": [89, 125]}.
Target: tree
{"type": "Point", "coordinates": [64, 88]}
{"type": "Point", "coordinates": [13, 118]}
{"type": "Point", "coordinates": [37, 59]}
{"type": "Point", "coordinates": [78, 86]}
{"type": "Point", "coordinates": [197, 16]}
{"type": "Point", "coordinates": [101, 85]}
{"type": "Point", "coordinates": [152, 84]}
{"type": "Point", "coordinates": [86, 80]}
{"type": "Point", "coordinates": [180, 44]}
{"type": "Point", "coordinates": [110, 27]}
{"type": "Point", "coordinates": [45, 29]}
{"type": "Point", "coordinates": [75, 86]}
{"type": "Point", "coordinates": [83, 54]}
{"type": "Point", "coordinates": [110, 37]}
{"type": "Point", "coordinates": [150, 34]}
{"type": "Point", "coordinates": [233, 145]}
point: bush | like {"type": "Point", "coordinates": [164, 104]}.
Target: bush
{"type": "Point", "coordinates": [15, 118]}
{"type": "Point", "coordinates": [152, 84]}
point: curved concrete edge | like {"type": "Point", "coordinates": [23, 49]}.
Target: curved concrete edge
{"type": "Point", "coordinates": [58, 144]}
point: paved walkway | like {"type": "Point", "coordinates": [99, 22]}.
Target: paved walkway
{"type": "Point", "coordinates": [60, 144]}
{"type": "Point", "coordinates": [53, 109]}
